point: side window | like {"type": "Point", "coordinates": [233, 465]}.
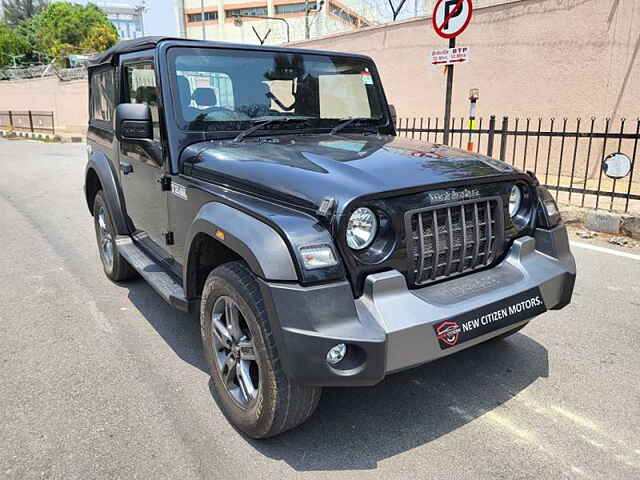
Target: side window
{"type": "Point", "coordinates": [102, 95]}
{"type": "Point", "coordinates": [142, 88]}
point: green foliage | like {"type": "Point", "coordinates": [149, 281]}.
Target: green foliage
{"type": "Point", "coordinates": [100, 38]}
{"type": "Point", "coordinates": [60, 29]}
{"type": "Point", "coordinates": [64, 28]}
{"type": "Point", "coordinates": [16, 11]}
{"type": "Point", "coordinates": [11, 43]}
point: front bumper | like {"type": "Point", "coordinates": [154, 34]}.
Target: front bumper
{"type": "Point", "coordinates": [391, 328]}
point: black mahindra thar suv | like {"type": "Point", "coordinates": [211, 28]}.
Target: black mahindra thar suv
{"type": "Point", "coordinates": [265, 189]}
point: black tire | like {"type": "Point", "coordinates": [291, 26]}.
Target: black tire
{"type": "Point", "coordinates": [279, 404]}
{"type": "Point", "coordinates": [504, 335]}
{"type": "Point", "coordinates": [114, 265]}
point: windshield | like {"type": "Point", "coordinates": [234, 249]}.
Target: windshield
{"type": "Point", "coordinates": [218, 90]}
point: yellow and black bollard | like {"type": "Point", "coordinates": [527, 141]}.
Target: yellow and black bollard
{"type": "Point", "coordinates": [474, 95]}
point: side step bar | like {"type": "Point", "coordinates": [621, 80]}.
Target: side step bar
{"type": "Point", "coordinates": [160, 280]}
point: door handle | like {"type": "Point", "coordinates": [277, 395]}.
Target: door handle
{"type": "Point", "coordinates": [126, 168]}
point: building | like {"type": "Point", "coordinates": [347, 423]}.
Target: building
{"type": "Point", "coordinates": [230, 20]}
{"type": "Point", "coordinates": [126, 18]}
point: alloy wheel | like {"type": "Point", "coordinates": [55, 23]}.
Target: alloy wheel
{"type": "Point", "coordinates": [105, 240]}
{"type": "Point", "coordinates": [234, 350]}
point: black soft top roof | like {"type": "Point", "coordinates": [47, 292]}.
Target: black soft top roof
{"type": "Point", "coordinates": [126, 46]}
{"type": "Point", "coordinates": [108, 57]}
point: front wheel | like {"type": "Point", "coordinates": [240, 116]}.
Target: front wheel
{"type": "Point", "coordinates": [114, 264]}
{"type": "Point", "coordinates": [249, 385]}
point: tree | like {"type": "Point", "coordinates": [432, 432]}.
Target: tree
{"type": "Point", "coordinates": [100, 38]}
{"type": "Point", "coordinates": [16, 11]}
{"type": "Point", "coordinates": [58, 30]}
{"type": "Point", "coordinates": [64, 28]}
{"type": "Point", "coordinates": [11, 46]}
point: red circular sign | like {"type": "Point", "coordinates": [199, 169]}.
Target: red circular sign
{"type": "Point", "coordinates": [451, 17]}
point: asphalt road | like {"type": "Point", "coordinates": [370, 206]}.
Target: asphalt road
{"type": "Point", "coordinates": [99, 380]}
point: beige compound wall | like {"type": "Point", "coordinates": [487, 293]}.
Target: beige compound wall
{"type": "Point", "coordinates": [68, 101]}
{"type": "Point", "coordinates": [528, 58]}
{"type": "Point", "coordinates": [549, 58]}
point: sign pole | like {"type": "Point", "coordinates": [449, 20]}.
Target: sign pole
{"type": "Point", "coordinates": [447, 101]}
{"type": "Point", "coordinates": [450, 18]}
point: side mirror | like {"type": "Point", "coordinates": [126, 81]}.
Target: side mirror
{"type": "Point", "coordinates": [616, 166]}
{"type": "Point", "coordinates": [394, 115]}
{"type": "Point", "coordinates": [133, 122]}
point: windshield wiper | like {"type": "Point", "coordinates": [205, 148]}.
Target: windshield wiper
{"type": "Point", "coordinates": [263, 123]}
{"type": "Point", "coordinates": [345, 123]}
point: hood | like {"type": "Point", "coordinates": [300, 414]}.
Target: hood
{"type": "Point", "coordinates": [305, 169]}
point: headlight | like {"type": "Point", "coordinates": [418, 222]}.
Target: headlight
{"type": "Point", "coordinates": [362, 228]}
{"type": "Point", "coordinates": [515, 200]}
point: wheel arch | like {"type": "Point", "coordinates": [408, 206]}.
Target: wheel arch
{"type": "Point", "coordinates": [99, 175]}
{"type": "Point", "coordinates": [92, 186]}
{"type": "Point", "coordinates": [220, 233]}
{"type": "Point", "coordinates": [205, 254]}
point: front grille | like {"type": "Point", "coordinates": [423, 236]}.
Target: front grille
{"type": "Point", "coordinates": [453, 239]}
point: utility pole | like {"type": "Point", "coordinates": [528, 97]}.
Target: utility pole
{"type": "Point", "coordinates": [306, 19]}
{"type": "Point", "coordinates": [140, 9]}
{"type": "Point", "coordinates": [204, 35]}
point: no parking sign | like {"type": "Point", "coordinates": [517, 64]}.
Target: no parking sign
{"type": "Point", "coordinates": [451, 17]}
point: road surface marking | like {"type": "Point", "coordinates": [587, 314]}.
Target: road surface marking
{"type": "Point", "coordinates": [605, 250]}
{"type": "Point", "coordinates": [584, 422]}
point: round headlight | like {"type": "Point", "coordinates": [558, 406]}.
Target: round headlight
{"type": "Point", "coordinates": [361, 229]}
{"type": "Point", "coordinates": [515, 200]}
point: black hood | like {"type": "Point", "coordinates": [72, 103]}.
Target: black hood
{"type": "Point", "coordinates": [305, 169]}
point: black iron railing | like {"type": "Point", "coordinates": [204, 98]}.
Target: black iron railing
{"type": "Point", "coordinates": [27, 121]}
{"type": "Point", "coordinates": [565, 155]}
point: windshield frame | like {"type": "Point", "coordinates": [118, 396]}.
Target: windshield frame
{"type": "Point", "coordinates": [382, 124]}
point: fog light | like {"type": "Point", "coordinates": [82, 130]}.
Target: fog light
{"type": "Point", "coordinates": [336, 354]}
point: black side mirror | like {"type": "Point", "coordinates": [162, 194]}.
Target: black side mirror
{"type": "Point", "coordinates": [394, 115]}
{"type": "Point", "coordinates": [133, 122]}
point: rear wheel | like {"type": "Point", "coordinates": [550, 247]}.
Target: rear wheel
{"type": "Point", "coordinates": [249, 385]}
{"type": "Point", "coordinates": [114, 264]}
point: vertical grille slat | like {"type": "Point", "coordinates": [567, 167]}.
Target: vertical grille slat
{"type": "Point", "coordinates": [450, 245]}
{"type": "Point", "coordinates": [452, 239]}
{"type": "Point", "coordinates": [463, 256]}
{"type": "Point", "coordinates": [436, 246]}
{"type": "Point", "coordinates": [421, 252]}
{"type": "Point", "coordinates": [476, 244]}
{"type": "Point", "coordinates": [487, 254]}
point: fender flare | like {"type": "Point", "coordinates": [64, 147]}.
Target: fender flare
{"type": "Point", "coordinates": [264, 250]}
{"type": "Point", "coordinates": [100, 165]}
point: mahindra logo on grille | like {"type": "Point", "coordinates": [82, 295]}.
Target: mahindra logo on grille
{"type": "Point", "coordinates": [453, 195]}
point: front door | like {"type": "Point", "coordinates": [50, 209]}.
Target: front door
{"type": "Point", "coordinates": [141, 166]}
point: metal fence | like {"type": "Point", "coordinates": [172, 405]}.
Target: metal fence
{"type": "Point", "coordinates": [27, 121]}
{"type": "Point", "coordinates": [565, 155]}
